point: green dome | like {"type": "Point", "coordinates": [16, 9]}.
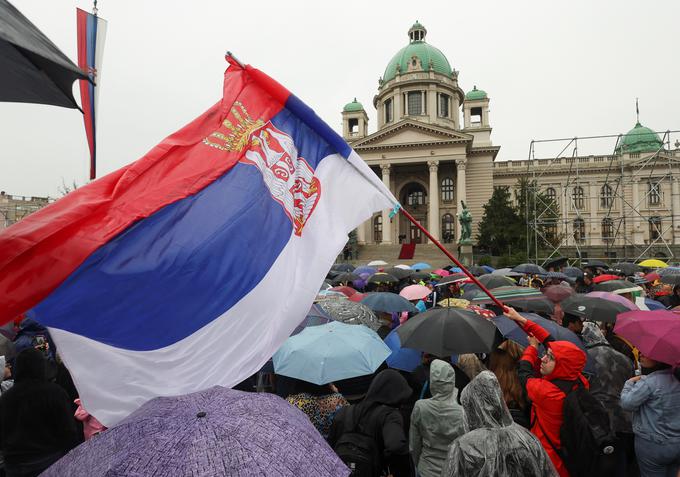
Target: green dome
{"type": "Point", "coordinates": [640, 139]}
{"type": "Point", "coordinates": [476, 94]}
{"type": "Point", "coordinates": [353, 106]}
{"type": "Point", "coordinates": [419, 48]}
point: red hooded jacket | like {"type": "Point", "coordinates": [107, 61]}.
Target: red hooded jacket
{"type": "Point", "coordinates": [546, 397]}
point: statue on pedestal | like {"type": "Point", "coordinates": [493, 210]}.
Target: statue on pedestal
{"type": "Point", "coordinates": [465, 219]}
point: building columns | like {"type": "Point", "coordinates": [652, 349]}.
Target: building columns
{"type": "Point", "coordinates": [675, 209]}
{"type": "Point", "coordinates": [433, 212]}
{"type": "Point", "coordinates": [461, 193]}
{"type": "Point", "coordinates": [637, 230]}
{"type": "Point", "coordinates": [594, 226]}
{"type": "Point", "coordinates": [386, 225]}
{"type": "Point", "coordinates": [361, 233]}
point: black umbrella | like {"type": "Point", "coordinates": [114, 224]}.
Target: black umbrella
{"type": "Point", "coordinates": [573, 272]}
{"type": "Point", "coordinates": [595, 264]}
{"type": "Point", "coordinates": [593, 309]}
{"type": "Point", "coordinates": [671, 279]}
{"type": "Point", "coordinates": [400, 273]}
{"type": "Point", "coordinates": [448, 331]}
{"type": "Point", "coordinates": [477, 271]}
{"type": "Point", "coordinates": [618, 286]}
{"type": "Point", "coordinates": [388, 302]}
{"type": "Point", "coordinates": [382, 277]}
{"type": "Point", "coordinates": [33, 69]}
{"type": "Point", "coordinates": [420, 276]}
{"type": "Point", "coordinates": [345, 277]}
{"type": "Point", "coordinates": [627, 268]}
{"type": "Point", "coordinates": [529, 269]}
{"type": "Point", "coordinates": [555, 262]}
{"type": "Point", "coordinates": [343, 267]}
{"type": "Point", "coordinates": [452, 278]}
{"type": "Point", "coordinates": [495, 281]}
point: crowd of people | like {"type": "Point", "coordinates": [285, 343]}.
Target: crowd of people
{"type": "Point", "coordinates": [534, 410]}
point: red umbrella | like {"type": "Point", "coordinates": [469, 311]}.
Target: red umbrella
{"type": "Point", "coordinates": [655, 333]}
{"type": "Point", "coordinates": [357, 297]}
{"type": "Point", "coordinates": [605, 278]}
{"type": "Point", "coordinates": [347, 291]}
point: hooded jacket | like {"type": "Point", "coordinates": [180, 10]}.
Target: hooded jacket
{"type": "Point", "coordinates": [547, 399]}
{"type": "Point", "coordinates": [436, 422]}
{"type": "Point", "coordinates": [36, 421]}
{"type": "Point", "coordinates": [494, 445]}
{"type": "Point", "coordinates": [380, 416]}
{"type": "Point", "coordinates": [612, 370]}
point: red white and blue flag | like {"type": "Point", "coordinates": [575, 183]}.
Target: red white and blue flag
{"type": "Point", "coordinates": [91, 34]}
{"type": "Point", "coordinates": [191, 266]}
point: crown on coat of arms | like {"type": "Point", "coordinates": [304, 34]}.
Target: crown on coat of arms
{"type": "Point", "coordinates": [237, 131]}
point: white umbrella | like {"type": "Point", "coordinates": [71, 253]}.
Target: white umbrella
{"type": "Point", "coordinates": [377, 263]}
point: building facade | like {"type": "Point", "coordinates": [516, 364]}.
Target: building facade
{"type": "Point", "coordinates": [428, 159]}
{"type": "Point", "coordinates": [13, 208]}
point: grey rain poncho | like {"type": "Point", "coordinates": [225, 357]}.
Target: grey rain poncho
{"type": "Point", "coordinates": [436, 422]}
{"type": "Point", "coordinates": [494, 445]}
{"type": "Point", "coordinates": [612, 370]}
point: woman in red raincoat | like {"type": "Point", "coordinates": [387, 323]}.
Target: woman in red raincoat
{"type": "Point", "coordinates": [564, 361]}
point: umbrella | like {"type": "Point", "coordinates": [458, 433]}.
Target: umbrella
{"type": "Point", "coordinates": [328, 353]}
{"type": "Point", "coordinates": [315, 317]}
{"type": "Point", "coordinates": [613, 297]}
{"type": "Point", "coordinates": [617, 286]}
{"type": "Point", "coordinates": [381, 277]}
{"type": "Point", "coordinates": [627, 268]}
{"type": "Point", "coordinates": [33, 69]}
{"type": "Point", "coordinates": [595, 264]}
{"type": "Point", "coordinates": [555, 262]}
{"type": "Point", "coordinates": [605, 278]}
{"type": "Point", "coordinates": [441, 272]}
{"type": "Point", "coordinates": [573, 272]}
{"type": "Point", "coordinates": [512, 331]}
{"type": "Point", "coordinates": [491, 282]}
{"type": "Point", "coordinates": [377, 263]}
{"type": "Point", "coordinates": [388, 302]}
{"type": "Point", "coordinates": [415, 292]}
{"type": "Point", "coordinates": [453, 278]}
{"type": "Point", "coordinates": [399, 273]}
{"type": "Point", "coordinates": [558, 275]}
{"type": "Point", "coordinates": [347, 291]}
{"type": "Point", "coordinates": [671, 279]}
{"type": "Point", "coordinates": [488, 268]}
{"type": "Point", "coordinates": [325, 285]}
{"type": "Point", "coordinates": [529, 269]}
{"type": "Point", "coordinates": [404, 359]}
{"type": "Point", "coordinates": [343, 267]}
{"type": "Point", "coordinates": [350, 312]}
{"type": "Point", "coordinates": [653, 304]}
{"type": "Point", "coordinates": [448, 331]}
{"type": "Point", "coordinates": [420, 276]}
{"type": "Point", "coordinates": [421, 266]}
{"type": "Point", "coordinates": [477, 271]}
{"type": "Point", "coordinates": [557, 293]}
{"type": "Point", "coordinates": [357, 297]}
{"type": "Point", "coordinates": [403, 267]}
{"type": "Point", "coordinates": [668, 271]}
{"type": "Point", "coordinates": [325, 294]}
{"type": "Point", "coordinates": [369, 270]}
{"type": "Point", "coordinates": [594, 308]}
{"type": "Point", "coordinates": [655, 333]}
{"type": "Point", "coordinates": [506, 272]}
{"type": "Point", "coordinates": [653, 263]}
{"type": "Point", "coordinates": [217, 431]}
{"type": "Point", "coordinates": [345, 277]}
{"type": "Point", "coordinates": [505, 293]}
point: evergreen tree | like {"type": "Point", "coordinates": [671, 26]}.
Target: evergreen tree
{"type": "Point", "coordinates": [538, 213]}
{"type": "Point", "coordinates": [501, 228]}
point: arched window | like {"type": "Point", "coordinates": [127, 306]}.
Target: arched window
{"type": "Point", "coordinates": [607, 229]}
{"type": "Point", "coordinates": [579, 230]}
{"type": "Point", "coordinates": [415, 195]}
{"type": "Point", "coordinates": [448, 228]}
{"type": "Point", "coordinates": [578, 197]}
{"type": "Point", "coordinates": [606, 196]}
{"type": "Point", "coordinates": [377, 229]}
{"type": "Point", "coordinates": [550, 194]}
{"type": "Point", "coordinates": [654, 227]}
{"type": "Point", "coordinates": [447, 189]}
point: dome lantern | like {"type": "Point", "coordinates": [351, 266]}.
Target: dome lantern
{"type": "Point", "coordinates": [417, 32]}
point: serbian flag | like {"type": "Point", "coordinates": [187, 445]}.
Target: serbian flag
{"type": "Point", "coordinates": [190, 267]}
{"type": "Point", "coordinates": [91, 33]}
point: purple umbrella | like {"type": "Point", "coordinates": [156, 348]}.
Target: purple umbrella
{"type": "Point", "coordinates": [615, 298]}
{"type": "Point", "coordinates": [214, 432]}
{"type": "Point", "coordinates": [655, 333]}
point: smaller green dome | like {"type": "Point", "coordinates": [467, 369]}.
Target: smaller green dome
{"type": "Point", "coordinates": [639, 139]}
{"type": "Point", "coordinates": [353, 106]}
{"type": "Point", "coordinates": [476, 94]}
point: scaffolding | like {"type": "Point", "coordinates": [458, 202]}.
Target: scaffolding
{"type": "Point", "coordinates": [563, 224]}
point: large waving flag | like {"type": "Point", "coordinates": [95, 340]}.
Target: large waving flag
{"type": "Point", "coordinates": [91, 34]}
{"type": "Point", "coordinates": [189, 267]}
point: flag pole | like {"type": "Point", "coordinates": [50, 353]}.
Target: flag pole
{"type": "Point", "coordinates": [452, 258]}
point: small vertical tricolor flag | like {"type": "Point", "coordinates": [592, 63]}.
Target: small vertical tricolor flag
{"type": "Point", "coordinates": [191, 266]}
{"type": "Point", "coordinates": [91, 35]}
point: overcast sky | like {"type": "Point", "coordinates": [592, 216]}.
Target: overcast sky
{"type": "Point", "coordinates": [551, 69]}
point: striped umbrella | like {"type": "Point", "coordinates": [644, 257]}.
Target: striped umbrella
{"type": "Point", "coordinates": [528, 299]}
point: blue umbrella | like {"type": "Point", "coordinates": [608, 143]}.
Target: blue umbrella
{"type": "Point", "coordinates": [654, 305]}
{"type": "Point", "coordinates": [404, 359]}
{"type": "Point", "coordinates": [388, 302]}
{"type": "Point", "coordinates": [327, 353]}
{"type": "Point", "coordinates": [421, 266]}
{"type": "Point", "coordinates": [488, 268]}
{"type": "Point", "coordinates": [512, 331]}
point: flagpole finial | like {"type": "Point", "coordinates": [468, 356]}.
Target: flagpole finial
{"type": "Point", "coordinates": [637, 110]}
{"type": "Point", "coordinates": [230, 57]}
{"type": "Point", "coordinates": [94, 8]}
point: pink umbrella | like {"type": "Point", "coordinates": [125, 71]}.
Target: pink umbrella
{"type": "Point", "coordinates": [615, 298]}
{"type": "Point", "coordinates": [441, 272]}
{"type": "Point", "coordinates": [655, 333]}
{"type": "Point", "coordinates": [415, 292]}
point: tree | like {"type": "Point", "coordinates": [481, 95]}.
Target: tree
{"type": "Point", "coordinates": [539, 215]}
{"type": "Point", "coordinates": [501, 228]}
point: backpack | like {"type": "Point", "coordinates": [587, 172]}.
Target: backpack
{"type": "Point", "coordinates": [357, 447]}
{"type": "Point", "coordinates": [586, 434]}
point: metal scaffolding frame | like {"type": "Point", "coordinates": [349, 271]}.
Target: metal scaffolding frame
{"type": "Point", "coordinates": [621, 211]}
